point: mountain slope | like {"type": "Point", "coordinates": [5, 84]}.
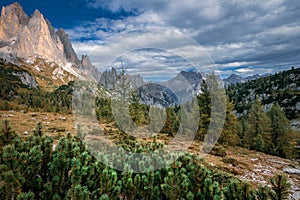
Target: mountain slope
{"type": "Point", "coordinates": [282, 87]}
{"type": "Point", "coordinates": [25, 40]}
{"type": "Point", "coordinates": [234, 79]}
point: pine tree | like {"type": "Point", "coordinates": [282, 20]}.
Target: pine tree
{"type": "Point", "coordinates": [38, 131]}
{"type": "Point", "coordinates": [258, 143]}
{"type": "Point", "coordinates": [26, 196]}
{"type": "Point", "coordinates": [171, 124]}
{"type": "Point", "coordinates": [257, 123]}
{"type": "Point", "coordinates": [6, 134]}
{"type": "Point", "coordinates": [10, 173]}
{"type": "Point", "coordinates": [214, 110]}
{"type": "Point", "coordinates": [281, 142]}
{"type": "Point", "coordinates": [121, 101]}
{"type": "Point", "coordinates": [79, 193]}
{"type": "Point", "coordinates": [176, 184]}
{"type": "Point", "coordinates": [280, 187]}
{"type": "Point", "coordinates": [204, 101]}
{"type": "Point", "coordinates": [231, 127]}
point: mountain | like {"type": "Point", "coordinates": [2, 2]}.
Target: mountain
{"type": "Point", "coordinates": [111, 80]}
{"type": "Point", "coordinates": [177, 90]}
{"type": "Point", "coordinates": [234, 79]}
{"type": "Point", "coordinates": [185, 85]}
{"type": "Point", "coordinates": [255, 76]}
{"type": "Point", "coordinates": [282, 87]}
{"type": "Point", "coordinates": [32, 41]}
{"type": "Point", "coordinates": [157, 95]}
{"type": "Point", "coordinates": [88, 68]}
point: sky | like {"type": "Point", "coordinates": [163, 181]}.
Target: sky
{"type": "Point", "coordinates": [227, 36]}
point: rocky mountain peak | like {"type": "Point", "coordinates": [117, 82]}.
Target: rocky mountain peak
{"type": "Point", "coordinates": [68, 48]}
{"type": "Point", "coordinates": [88, 68]}
{"type": "Point", "coordinates": [86, 62]}
{"type": "Point", "coordinates": [37, 14]}
{"type": "Point", "coordinates": [185, 85]}
{"type": "Point", "coordinates": [15, 10]}
{"type": "Point", "coordinates": [234, 79]}
{"type": "Point", "coordinates": [12, 19]}
{"type": "Point", "coordinates": [29, 39]}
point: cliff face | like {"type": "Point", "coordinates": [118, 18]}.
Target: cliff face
{"type": "Point", "coordinates": [88, 68]}
{"type": "Point", "coordinates": [67, 46]}
{"type": "Point", "coordinates": [12, 19]}
{"type": "Point", "coordinates": [30, 38]}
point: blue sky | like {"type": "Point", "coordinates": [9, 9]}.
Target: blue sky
{"type": "Point", "coordinates": [243, 37]}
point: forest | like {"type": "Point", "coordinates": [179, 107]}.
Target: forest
{"type": "Point", "coordinates": [41, 167]}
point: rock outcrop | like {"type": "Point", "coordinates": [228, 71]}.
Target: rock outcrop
{"type": "Point", "coordinates": [88, 68]}
{"type": "Point", "coordinates": [12, 19]}
{"type": "Point", "coordinates": [68, 48]}
{"type": "Point", "coordinates": [31, 38]}
{"type": "Point", "coordinates": [185, 85]}
{"type": "Point", "coordinates": [110, 79]}
{"type": "Point", "coordinates": [26, 79]}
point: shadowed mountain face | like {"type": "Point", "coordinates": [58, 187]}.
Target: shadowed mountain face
{"type": "Point", "coordinates": [185, 85]}
{"type": "Point", "coordinates": [177, 90]}
{"type": "Point", "coordinates": [234, 79]}
{"type": "Point", "coordinates": [157, 95]}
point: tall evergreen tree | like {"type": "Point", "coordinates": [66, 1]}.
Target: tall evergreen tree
{"type": "Point", "coordinates": [7, 134]}
{"type": "Point", "coordinates": [281, 142]}
{"type": "Point", "coordinates": [257, 123]}
{"type": "Point", "coordinates": [231, 127]}
{"type": "Point", "coordinates": [204, 101]}
{"type": "Point", "coordinates": [280, 187]}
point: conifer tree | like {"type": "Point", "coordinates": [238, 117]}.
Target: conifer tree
{"type": "Point", "coordinates": [204, 101]}
{"type": "Point", "coordinates": [231, 127]}
{"type": "Point", "coordinates": [280, 187]}
{"type": "Point", "coordinates": [26, 196]}
{"type": "Point", "coordinates": [257, 123]}
{"type": "Point", "coordinates": [38, 131]}
{"type": "Point", "coordinates": [258, 143]}
{"type": "Point", "coordinates": [7, 134]}
{"type": "Point", "coordinates": [281, 142]}
{"type": "Point", "coordinates": [79, 192]}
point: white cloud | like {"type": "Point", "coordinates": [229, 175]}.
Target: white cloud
{"type": "Point", "coordinates": [244, 70]}
{"type": "Point", "coordinates": [234, 33]}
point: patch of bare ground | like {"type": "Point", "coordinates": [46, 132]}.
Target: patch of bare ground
{"type": "Point", "coordinates": [54, 124]}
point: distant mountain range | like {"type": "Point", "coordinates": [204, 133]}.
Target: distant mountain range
{"type": "Point", "coordinates": [234, 78]}
{"type": "Point", "coordinates": [181, 88]}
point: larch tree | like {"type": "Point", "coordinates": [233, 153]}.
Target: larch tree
{"type": "Point", "coordinates": [231, 127]}
{"type": "Point", "coordinates": [280, 131]}
{"type": "Point", "coordinates": [257, 123]}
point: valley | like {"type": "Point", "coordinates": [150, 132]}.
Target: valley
{"type": "Point", "coordinates": [71, 131]}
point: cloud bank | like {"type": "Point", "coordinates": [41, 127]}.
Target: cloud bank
{"type": "Point", "coordinates": [239, 35]}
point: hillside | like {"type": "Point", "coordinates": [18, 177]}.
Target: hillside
{"type": "Point", "coordinates": [245, 165]}
{"type": "Point", "coordinates": [282, 87]}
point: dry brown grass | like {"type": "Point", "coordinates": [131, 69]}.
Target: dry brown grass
{"type": "Point", "coordinates": [22, 122]}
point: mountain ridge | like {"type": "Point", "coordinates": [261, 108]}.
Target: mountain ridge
{"type": "Point", "coordinates": [25, 39]}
